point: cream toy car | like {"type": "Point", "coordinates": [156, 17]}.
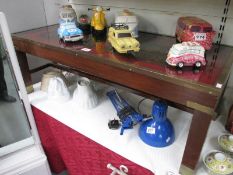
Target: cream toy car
{"type": "Point", "coordinates": [130, 19]}
{"type": "Point", "coordinates": [121, 39]}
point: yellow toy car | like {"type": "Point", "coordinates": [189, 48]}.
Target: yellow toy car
{"type": "Point", "coordinates": [121, 39]}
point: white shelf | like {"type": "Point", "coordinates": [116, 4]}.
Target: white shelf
{"type": "Point", "coordinates": [158, 160]}
{"type": "Point", "coordinates": [25, 162]}
{"type": "Point", "coordinates": [93, 124]}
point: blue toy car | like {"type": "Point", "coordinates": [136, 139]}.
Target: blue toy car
{"type": "Point", "coordinates": [68, 31]}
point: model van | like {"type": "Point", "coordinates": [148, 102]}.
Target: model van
{"type": "Point", "coordinates": [195, 30]}
{"type": "Point", "coordinates": [186, 54]}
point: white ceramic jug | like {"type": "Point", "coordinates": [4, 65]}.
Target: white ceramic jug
{"type": "Point", "coordinates": [57, 90]}
{"type": "Point", "coordinates": [46, 79]}
{"type": "Point", "coordinates": [84, 95]}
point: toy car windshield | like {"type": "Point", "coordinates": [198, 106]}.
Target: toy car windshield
{"type": "Point", "coordinates": [67, 15]}
{"type": "Point", "coordinates": [68, 26]}
{"type": "Point", "coordinates": [119, 26]}
{"type": "Point", "coordinates": [207, 29]}
{"type": "Point", "coordinates": [124, 35]}
{"type": "Point", "coordinates": [175, 51]}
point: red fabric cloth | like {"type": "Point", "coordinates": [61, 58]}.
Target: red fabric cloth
{"type": "Point", "coordinates": [48, 141]}
{"type": "Point", "coordinates": [68, 149]}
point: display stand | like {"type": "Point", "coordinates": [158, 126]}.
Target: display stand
{"type": "Point", "coordinates": [147, 74]}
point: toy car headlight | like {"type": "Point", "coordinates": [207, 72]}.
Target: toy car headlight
{"type": "Point", "coordinates": [80, 31]}
{"type": "Point", "coordinates": [122, 46]}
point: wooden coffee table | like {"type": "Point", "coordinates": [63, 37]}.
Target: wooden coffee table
{"type": "Point", "coordinates": [146, 73]}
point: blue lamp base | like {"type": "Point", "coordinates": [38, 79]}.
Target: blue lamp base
{"type": "Point", "coordinates": [157, 133]}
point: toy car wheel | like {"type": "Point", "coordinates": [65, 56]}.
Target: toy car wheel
{"type": "Point", "coordinates": [113, 49]}
{"type": "Point", "coordinates": [198, 64]}
{"type": "Point", "coordinates": [63, 39]}
{"type": "Point", "coordinates": [60, 37]}
{"type": "Point", "coordinates": [180, 65]}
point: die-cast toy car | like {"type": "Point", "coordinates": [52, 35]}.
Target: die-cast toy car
{"type": "Point", "coordinates": [68, 31]}
{"type": "Point", "coordinates": [121, 39]}
{"type": "Point", "coordinates": [186, 54]}
{"type": "Point", "coordinates": [196, 30]}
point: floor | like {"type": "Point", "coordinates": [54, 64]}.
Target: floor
{"type": "Point", "coordinates": [13, 122]}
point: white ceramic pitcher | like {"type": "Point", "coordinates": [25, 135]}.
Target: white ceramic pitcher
{"type": "Point", "coordinates": [84, 95]}
{"type": "Point", "coordinates": [57, 90]}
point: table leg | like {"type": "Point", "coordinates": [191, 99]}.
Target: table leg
{"type": "Point", "coordinates": [23, 63]}
{"type": "Point", "coordinates": [196, 138]}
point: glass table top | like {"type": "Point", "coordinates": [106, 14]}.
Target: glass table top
{"type": "Point", "coordinates": [150, 60]}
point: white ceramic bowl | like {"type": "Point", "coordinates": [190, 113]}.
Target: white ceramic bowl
{"type": "Point", "coordinates": [218, 163]}
{"type": "Point", "coordinates": [226, 142]}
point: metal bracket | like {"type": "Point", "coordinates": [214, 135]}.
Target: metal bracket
{"type": "Point", "coordinates": [30, 89]}
{"type": "Point", "coordinates": [184, 170]}
{"type": "Point", "coordinates": [221, 28]}
{"type": "Point", "coordinates": [201, 108]}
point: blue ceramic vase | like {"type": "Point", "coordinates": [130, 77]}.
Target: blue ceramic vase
{"type": "Point", "coordinates": [158, 131]}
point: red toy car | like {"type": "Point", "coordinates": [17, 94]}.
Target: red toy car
{"type": "Point", "coordinates": [196, 30]}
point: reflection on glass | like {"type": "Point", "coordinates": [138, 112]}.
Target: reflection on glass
{"type": "Point", "coordinates": [14, 126]}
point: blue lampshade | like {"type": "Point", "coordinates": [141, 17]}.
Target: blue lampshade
{"type": "Point", "coordinates": [158, 131]}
